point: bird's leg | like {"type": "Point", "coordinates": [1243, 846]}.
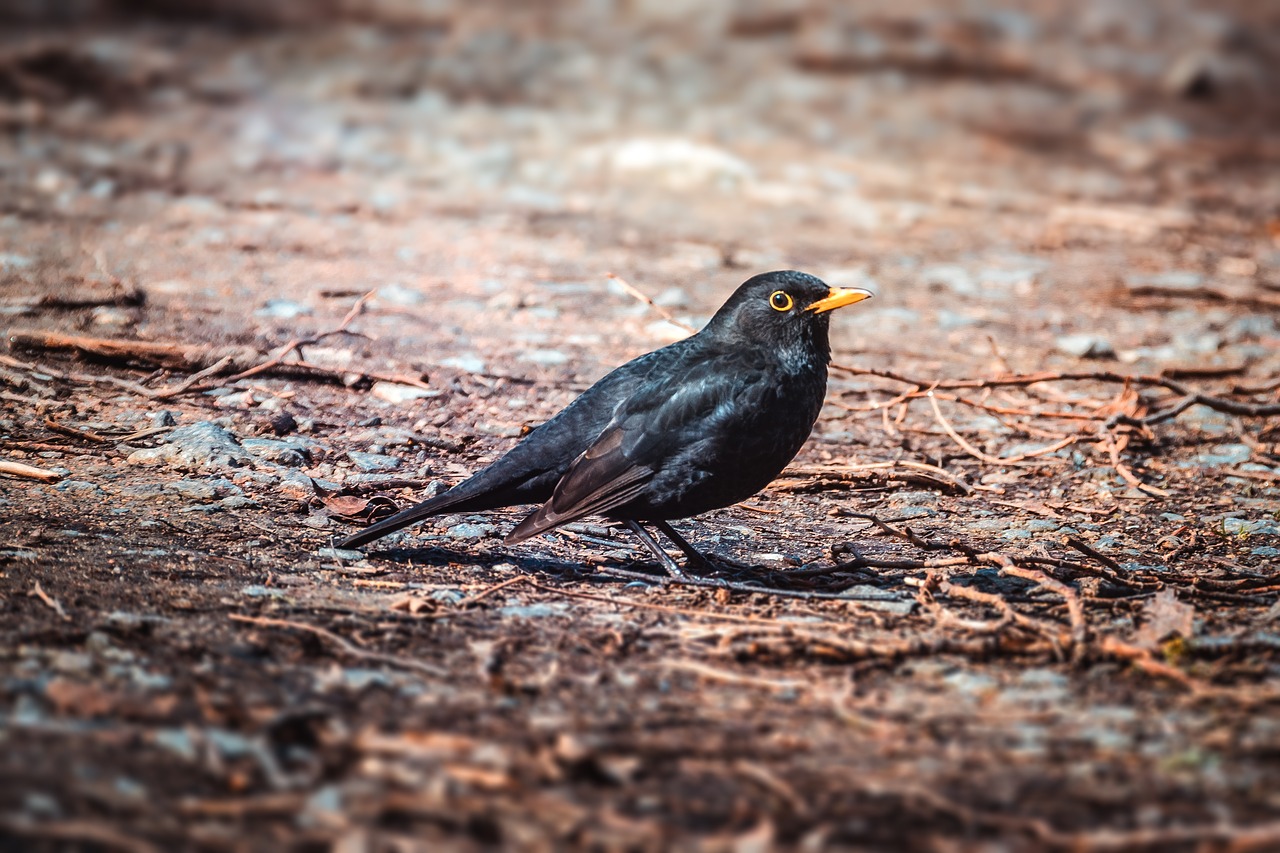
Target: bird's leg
{"type": "Point", "coordinates": [652, 544]}
{"type": "Point", "coordinates": [691, 553]}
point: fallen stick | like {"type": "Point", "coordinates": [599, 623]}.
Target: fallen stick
{"type": "Point", "coordinates": [172, 356]}
{"type": "Point", "coordinates": [30, 472]}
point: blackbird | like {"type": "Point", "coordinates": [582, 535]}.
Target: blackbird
{"type": "Point", "coordinates": [698, 425]}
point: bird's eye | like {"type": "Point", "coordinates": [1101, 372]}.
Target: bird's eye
{"type": "Point", "coordinates": [780, 300]}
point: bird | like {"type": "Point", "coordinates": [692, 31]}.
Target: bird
{"type": "Point", "coordinates": [697, 425]}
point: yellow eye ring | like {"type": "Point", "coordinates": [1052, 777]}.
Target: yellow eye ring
{"type": "Point", "coordinates": [780, 300]}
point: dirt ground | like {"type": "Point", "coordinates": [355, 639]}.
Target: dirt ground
{"type": "Point", "coordinates": [1018, 592]}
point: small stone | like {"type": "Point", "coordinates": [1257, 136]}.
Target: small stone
{"type": "Point", "coordinates": [176, 741]}
{"type": "Point", "coordinates": [196, 490]}
{"type": "Point", "coordinates": [545, 357]}
{"type": "Point", "coordinates": [317, 520]}
{"type": "Point", "coordinates": [257, 590]}
{"type": "Point", "coordinates": [468, 363]}
{"type": "Point", "coordinates": [1085, 346]}
{"type": "Point", "coordinates": [296, 486]}
{"type": "Point", "coordinates": [282, 309]}
{"type": "Point", "coordinates": [163, 418]}
{"type": "Point", "coordinates": [344, 555]}
{"type": "Point", "coordinates": [1243, 527]}
{"type": "Point", "coordinates": [394, 392]}
{"type": "Point", "coordinates": [280, 452]}
{"type": "Point", "coordinates": [468, 530]}
{"type": "Point", "coordinates": [373, 462]}
{"type": "Point", "coordinates": [398, 294]}
{"type": "Point", "coordinates": [199, 446]}
{"type": "Point", "coordinates": [80, 486]}
{"type": "Point", "coordinates": [283, 423]}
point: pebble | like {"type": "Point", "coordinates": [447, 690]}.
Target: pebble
{"type": "Point", "coordinates": [296, 486]}
{"type": "Point", "coordinates": [540, 610]}
{"type": "Point", "coordinates": [467, 362]}
{"type": "Point", "coordinates": [259, 591]}
{"type": "Point", "coordinates": [194, 489]}
{"type": "Point", "coordinates": [317, 520]}
{"type": "Point", "coordinates": [1221, 454]}
{"type": "Point", "coordinates": [1085, 346]}
{"type": "Point", "coordinates": [544, 357]}
{"type": "Point", "coordinates": [675, 162]}
{"type": "Point", "coordinates": [199, 446]}
{"type": "Point", "coordinates": [80, 486]}
{"type": "Point", "coordinates": [345, 555]}
{"type": "Point", "coordinates": [177, 741]}
{"type": "Point", "coordinates": [909, 512]}
{"type": "Point", "coordinates": [373, 462]}
{"type": "Point", "coordinates": [1242, 527]}
{"type": "Point", "coordinates": [394, 392]}
{"type": "Point", "coordinates": [398, 294]}
{"type": "Point", "coordinates": [285, 453]}
{"type": "Point", "coordinates": [282, 309]}
{"type": "Point", "coordinates": [469, 530]}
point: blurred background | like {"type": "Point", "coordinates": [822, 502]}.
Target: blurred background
{"type": "Point", "coordinates": [1004, 154]}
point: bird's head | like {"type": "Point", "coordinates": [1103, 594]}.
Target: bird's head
{"type": "Point", "coordinates": [784, 308]}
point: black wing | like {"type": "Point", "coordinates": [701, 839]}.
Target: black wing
{"type": "Point", "coordinates": [667, 417]}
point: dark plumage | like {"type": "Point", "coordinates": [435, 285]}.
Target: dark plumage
{"type": "Point", "coordinates": [701, 424]}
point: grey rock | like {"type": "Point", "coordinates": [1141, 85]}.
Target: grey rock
{"type": "Point", "coordinates": [75, 663]}
{"type": "Point", "coordinates": [40, 804]}
{"type": "Point", "coordinates": [296, 486]}
{"type": "Point", "coordinates": [177, 741]}
{"type": "Point", "coordinates": [909, 512]}
{"type": "Point", "coordinates": [468, 362]}
{"type": "Point", "coordinates": [1224, 454]}
{"type": "Point", "coordinates": [1265, 551]}
{"type": "Point", "coordinates": [345, 555]}
{"type": "Point", "coordinates": [394, 392]}
{"type": "Point", "coordinates": [469, 530]}
{"type": "Point", "coordinates": [317, 520]}
{"type": "Point", "coordinates": [1243, 527]}
{"type": "Point", "coordinates": [1173, 279]}
{"type": "Point", "coordinates": [10, 261]}
{"type": "Point", "coordinates": [80, 487]}
{"type": "Point", "coordinates": [260, 591]}
{"type": "Point", "coordinates": [198, 490]}
{"type": "Point", "coordinates": [398, 294]}
{"type": "Point", "coordinates": [914, 499]}
{"type": "Point", "coordinates": [287, 453]}
{"type": "Point", "coordinates": [540, 610]}
{"type": "Point", "coordinates": [163, 418]}
{"type": "Point", "coordinates": [373, 462]}
{"type": "Point", "coordinates": [1085, 346]}
{"type": "Point", "coordinates": [237, 502]}
{"type": "Point", "coordinates": [545, 357]}
{"type": "Point", "coordinates": [198, 447]}
{"type": "Point", "coordinates": [282, 309]}
{"type": "Point", "coordinates": [874, 598]}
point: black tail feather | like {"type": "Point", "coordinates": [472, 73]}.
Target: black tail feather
{"type": "Point", "coordinates": [426, 509]}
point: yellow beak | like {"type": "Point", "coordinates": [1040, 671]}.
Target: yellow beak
{"type": "Point", "coordinates": [838, 298]}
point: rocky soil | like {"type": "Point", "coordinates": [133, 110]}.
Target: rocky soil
{"type": "Point", "coordinates": [267, 273]}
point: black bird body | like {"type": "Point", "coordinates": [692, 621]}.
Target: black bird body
{"type": "Point", "coordinates": [697, 425]}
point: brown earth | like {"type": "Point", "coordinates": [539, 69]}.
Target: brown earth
{"type": "Point", "coordinates": [1061, 630]}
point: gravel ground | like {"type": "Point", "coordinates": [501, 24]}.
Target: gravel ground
{"type": "Point", "coordinates": [373, 249]}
